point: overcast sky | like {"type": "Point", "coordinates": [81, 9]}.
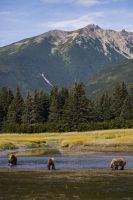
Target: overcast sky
{"type": "Point", "coordinates": [21, 19]}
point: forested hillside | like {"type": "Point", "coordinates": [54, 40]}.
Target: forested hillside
{"type": "Point", "coordinates": [65, 110]}
{"type": "Point", "coordinates": [106, 79]}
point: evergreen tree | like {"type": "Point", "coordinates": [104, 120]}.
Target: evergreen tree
{"type": "Point", "coordinates": [64, 94]}
{"type": "Point", "coordinates": [40, 110]}
{"type": "Point", "coordinates": [6, 97]}
{"type": "Point", "coordinates": [35, 110]}
{"type": "Point", "coordinates": [103, 108]}
{"type": "Point", "coordinates": [91, 111]}
{"type": "Point", "coordinates": [43, 107]}
{"type": "Point", "coordinates": [28, 109]}
{"type": "Point", "coordinates": [55, 113]}
{"type": "Point", "coordinates": [127, 109]}
{"type": "Point", "coordinates": [76, 109]}
{"type": "Point", "coordinates": [119, 95]}
{"type": "Point", "coordinates": [10, 96]}
{"type": "Point", "coordinates": [16, 108]}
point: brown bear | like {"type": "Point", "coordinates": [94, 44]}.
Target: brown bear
{"type": "Point", "coordinates": [51, 164]}
{"type": "Point", "coordinates": [118, 163]}
{"type": "Point", "coordinates": [12, 160]}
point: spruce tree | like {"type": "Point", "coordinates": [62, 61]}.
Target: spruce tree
{"type": "Point", "coordinates": [16, 108]}
{"type": "Point", "coordinates": [28, 109]}
{"type": "Point", "coordinates": [76, 109]}
{"type": "Point", "coordinates": [35, 110]}
{"type": "Point", "coordinates": [55, 111]}
{"type": "Point", "coordinates": [40, 110]}
{"type": "Point", "coordinates": [127, 109]}
{"type": "Point", "coordinates": [43, 107]}
{"type": "Point", "coordinates": [10, 96]}
{"type": "Point", "coordinates": [91, 112]}
{"type": "Point", "coordinates": [64, 94]}
{"type": "Point", "coordinates": [118, 97]}
{"type": "Point", "coordinates": [6, 97]}
{"type": "Point", "coordinates": [103, 108]}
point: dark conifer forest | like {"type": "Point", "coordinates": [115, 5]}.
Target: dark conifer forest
{"type": "Point", "coordinates": [65, 110]}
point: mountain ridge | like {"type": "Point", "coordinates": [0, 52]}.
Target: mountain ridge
{"type": "Point", "coordinates": [63, 57]}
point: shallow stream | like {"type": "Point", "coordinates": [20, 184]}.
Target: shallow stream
{"type": "Point", "coordinates": [33, 161]}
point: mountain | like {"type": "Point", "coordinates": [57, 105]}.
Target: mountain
{"type": "Point", "coordinates": [106, 79]}
{"type": "Point", "coordinates": [60, 58]}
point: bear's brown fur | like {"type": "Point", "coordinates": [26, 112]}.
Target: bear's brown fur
{"type": "Point", "coordinates": [51, 164]}
{"type": "Point", "coordinates": [12, 160]}
{"type": "Point", "coordinates": [118, 163]}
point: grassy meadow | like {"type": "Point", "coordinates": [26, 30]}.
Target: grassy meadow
{"type": "Point", "coordinates": [107, 140]}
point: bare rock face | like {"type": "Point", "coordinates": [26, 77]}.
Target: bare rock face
{"type": "Point", "coordinates": [121, 42]}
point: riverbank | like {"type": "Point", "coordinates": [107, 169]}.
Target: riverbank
{"type": "Point", "coordinates": [120, 140]}
{"type": "Point", "coordinates": [66, 184]}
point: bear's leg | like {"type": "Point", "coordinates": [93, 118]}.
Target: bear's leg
{"type": "Point", "coordinates": [116, 167]}
{"type": "Point", "coordinates": [53, 166]}
{"type": "Point", "coordinates": [113, 167]}
{"type": "Point", "coordinates": [122, 167]}
{"type": "Point", "coordinates": [48, 166]}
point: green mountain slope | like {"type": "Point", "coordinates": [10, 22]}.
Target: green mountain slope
{"type": "Point", "coordinates": [61, 58]}
{"type": "Point", "coordinates": [106, 79]}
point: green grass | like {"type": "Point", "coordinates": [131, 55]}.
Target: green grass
{"type": "Point", "coordinates": [66, 185]}
{"type": "Point", "coordinates": [107, 140]}
{"type": "Point", "coordinates": [36, 144]}
{"type": "Point", "coordinates": [7, 146]}
{"type": "Point", "coordinates": [37, 152]}
{"type": "Point", "coordinates": [19, 140]}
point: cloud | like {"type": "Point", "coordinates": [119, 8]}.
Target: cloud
{"type": "Point", "coordinates": [5, 13]}
{"type": "Point", "coordinates": [80, 2]}
{"type": "Point", "coordinates": [129, 27]}
{"type": "Point", "coordinates": [89, 2]}
{"type": "Point", "coordinates": [73, 24]}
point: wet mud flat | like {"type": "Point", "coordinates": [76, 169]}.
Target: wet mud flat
{"type": "Point", "coordinates": [99, 184]}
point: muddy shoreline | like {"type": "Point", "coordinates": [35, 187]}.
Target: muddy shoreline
{"type": "Point", "coordinates": [69, 171]}
{"type": "Point", "coordinates": [66, 184]}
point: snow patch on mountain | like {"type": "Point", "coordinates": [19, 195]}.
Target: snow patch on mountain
{"type": "Point", "coordinates": [47, 81]}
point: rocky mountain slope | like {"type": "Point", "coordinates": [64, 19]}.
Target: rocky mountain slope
{"type": "Point", "coordinates": [59, 58]}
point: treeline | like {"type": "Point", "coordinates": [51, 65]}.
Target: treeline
{"type": "Point", "coordinates": [65, 110]}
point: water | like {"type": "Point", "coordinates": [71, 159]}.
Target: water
{"type": "Point", "coordinates": [66, 162]}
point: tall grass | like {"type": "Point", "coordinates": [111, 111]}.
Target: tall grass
{"type": "Point", "coordinates": [7, 146]}
{"type": "Point", "coordinates": [117, 137]}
